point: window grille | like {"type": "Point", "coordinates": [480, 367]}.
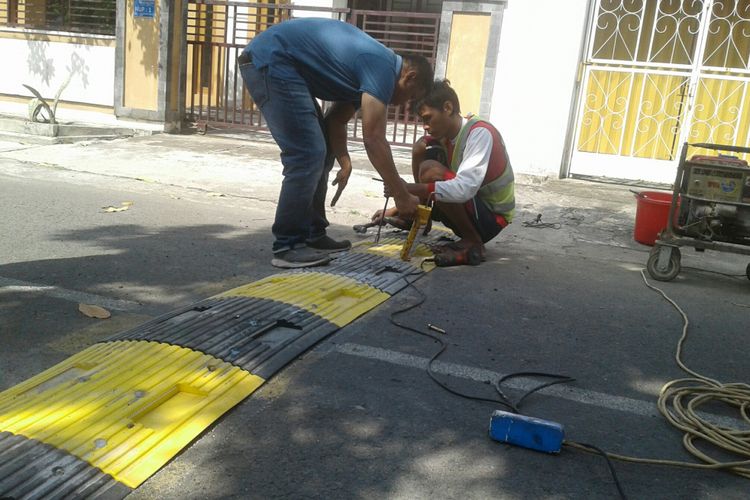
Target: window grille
{"type": "Point", "coordinates": [76, 16]}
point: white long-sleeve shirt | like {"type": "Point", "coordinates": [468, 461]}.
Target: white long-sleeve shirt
{"type": "Point", "coordinates": [471, 171]}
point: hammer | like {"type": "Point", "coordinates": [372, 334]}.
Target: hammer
{"type": "Point", "coordinates": [362, 228]}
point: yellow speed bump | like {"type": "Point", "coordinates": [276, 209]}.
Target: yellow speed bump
{"type": "Point", "coordinates": [125, 407]}
{"type": "Point", "coordinates": [337, 299]}
{"type": "Point", "coordinates": [391, 248]}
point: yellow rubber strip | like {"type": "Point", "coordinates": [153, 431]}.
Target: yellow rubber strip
{"type": "Point", "coordinates": [391, 248]}
{"type": "Point", "coordinates": [337, 299]}
{"type": "Point", "coordinates": [125, 407]}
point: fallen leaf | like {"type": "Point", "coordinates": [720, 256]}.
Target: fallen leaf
{"type": "Point", "coordinates": [94, 311]}
{"type": "Point", "coordinates": [124, 206]}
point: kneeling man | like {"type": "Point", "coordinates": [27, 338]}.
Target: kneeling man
{"type": "Point", "coordinates": [463, 164]}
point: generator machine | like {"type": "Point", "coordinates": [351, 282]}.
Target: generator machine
{"type": "Point", "coordinates": [710, 209]}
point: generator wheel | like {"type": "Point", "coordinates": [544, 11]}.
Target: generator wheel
{"type": "Point", "coordinates": [673, 266]}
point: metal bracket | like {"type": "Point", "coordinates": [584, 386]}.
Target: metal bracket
{"type": "Point", "coordinates": [665, 253]}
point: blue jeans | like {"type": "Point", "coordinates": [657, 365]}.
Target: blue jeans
{"type": "Point", "coordinates": [296, 123]}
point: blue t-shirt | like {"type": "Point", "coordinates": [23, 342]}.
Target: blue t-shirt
{"type": "Point", "coordinates": [338, 61]}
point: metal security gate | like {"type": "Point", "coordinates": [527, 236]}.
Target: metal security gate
{"type": "Point", "coordinates": [218, 30]}
{"type": "Point", "coordinates": [658, 73]}
{"type": "Point", "coordinates": [405, 32]}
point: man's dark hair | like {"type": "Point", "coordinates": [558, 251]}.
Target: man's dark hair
{"type": "Point", "coordinates": [424, 70]}
{"type": "Point", "coordinates": [440, 92]}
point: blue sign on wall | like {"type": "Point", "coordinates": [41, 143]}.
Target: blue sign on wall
{"type": "Point", "coordinates": [144, 8]}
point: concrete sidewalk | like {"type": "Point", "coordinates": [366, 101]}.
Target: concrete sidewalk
{"type": "Point", "coordinates": [240, 167]}
{"type": "Point", "coordinates": [246, 166]}
{"type": "Point", "coordinates": [243, 167]}
{"type": "Point", "coordinates": [71, 125]}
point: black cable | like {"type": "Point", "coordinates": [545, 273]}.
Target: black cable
{"type": "Point", "coordinates": [506, 402]}
{"type": "Point", "coordinates": [563, 379]}
{"type": "Point", "coordinates": [537, 223]}
{"type": "Point", "coordinates": [611, 468]}
{"type": "Point", "coordinates": [443, 347]}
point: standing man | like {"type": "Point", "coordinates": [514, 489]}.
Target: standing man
{"type": "Point", "coordinates": [286, 68]}
{"type": "Point", "coordinates": [463, 164]}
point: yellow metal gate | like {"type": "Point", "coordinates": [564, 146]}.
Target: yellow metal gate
{"type": "Point", "coordinates": [658, 73]}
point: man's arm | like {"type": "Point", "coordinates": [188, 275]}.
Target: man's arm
{"type": "Point", "coordinates": [336, 121]}
{"type": "Point", "coordinates": [471, 171]}
{"type": "Point", "coordinates": [418, 155]}
{"type": "Point", "coordinates": [379, 153]}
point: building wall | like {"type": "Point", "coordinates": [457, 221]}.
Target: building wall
{"type": "Point", "coordinates": [141, 59]}
{"type": "Point", "coordinates": [539, 53]}
{"type": "Point", "coordinates": [328, 4]}
{"type": "Point", "coordinates": [44, 62]}
{"type": "Point", "coordinates": [467, 54]}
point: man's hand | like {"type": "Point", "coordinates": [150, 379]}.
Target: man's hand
{"type": "Point", "coordinates": [379, 153]}
{"type": "Point", "coordinates": [407, 205]}
{"type": "Point", "coordinates": [336, 121]}
{"type": "Point", "coordinates": [342, 178]}
{"type": "Point", "coordinates": [417, 189]}
{"type": "Point", "coordinates": [391, 212]}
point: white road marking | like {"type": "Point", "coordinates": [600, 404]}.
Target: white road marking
{"type": "Point", "coordinates": [594, 398]}
{"type": "Point", "coordinates": [17, 286]}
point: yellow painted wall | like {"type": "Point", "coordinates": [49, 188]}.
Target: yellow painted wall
{"type": "Point", "coordinates": [174, 69]}
{"type": "Point", "coordinates": [140, 89]}
{"type": "Point", "coordinates": [467, 54]}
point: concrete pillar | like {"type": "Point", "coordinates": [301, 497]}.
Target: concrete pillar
{"type": "Point", "coordinates": [150, 44]}
{"type": "Point", "coordinates": [468, 47]}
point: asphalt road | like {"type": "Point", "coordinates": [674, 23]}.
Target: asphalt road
{"type": "Point", "coordinates": [358, 417]}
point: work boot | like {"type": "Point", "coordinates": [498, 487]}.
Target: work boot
{"type": "Point", "coordinates": [299, 257]}
{"type": "Point", "coordinates": [327, 244]}
{"type": "Point", "coordinates": [471, 256]}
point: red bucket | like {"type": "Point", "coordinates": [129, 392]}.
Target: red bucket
{"type": "Point", "coordinates": [651, 215]}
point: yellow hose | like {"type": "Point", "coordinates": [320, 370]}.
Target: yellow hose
{"type": "Point", "coordinates": [679, 401]}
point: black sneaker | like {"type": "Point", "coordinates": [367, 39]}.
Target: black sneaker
{"type": "Point", "coordinates": [300, 257]}
{"type": "Point", "coordinates": [327, 244]}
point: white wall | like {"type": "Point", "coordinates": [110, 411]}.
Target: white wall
{"type": "Point", "coordinates": [45, 66]}
{"type": "Point", "coordinates": [538, 60]}
{"type": "Point", "coordinates": [318, 3]}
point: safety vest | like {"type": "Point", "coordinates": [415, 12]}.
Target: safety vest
{"type": "Point", "coordinates": [497, 190]}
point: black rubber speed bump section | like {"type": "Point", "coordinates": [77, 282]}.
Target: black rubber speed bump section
{"type": "Point", "coordinates": [257, 335]}
{"type": "Point", "coordinates": [30, 469]}
{"type": "Point", "coordinates": [384, 273]}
